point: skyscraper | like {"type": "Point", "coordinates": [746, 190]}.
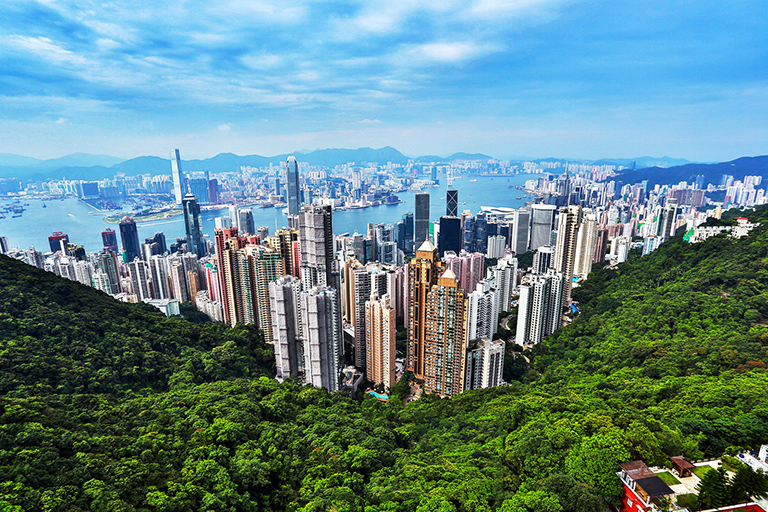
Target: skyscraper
{"type": "Point", "coordinates": [195, 240]}
{"type": "Point", "coordinates": [140, 280]}
{"type": "Point", "coordinates": [483, 310]}
{"type": "Point", "coordinates": [380, 341]}
{"type": "Point", "coordinates": [485, 364]}
{"type": "Point", "coordinates": [109, 239]}
{"type": "Point", "coordinates": [542, 220]}
{"type": "Point", "coordinates": [316, 241]}
{"type": "Point", "coordinates": [130, 237]}
{"type": "Point", "coordinates": [54, 241]}
{"type": "Point", "coordinates": [292, 188]}
{"type": "Point", "coordinates": [269, 268]}
{"type": "Point", "coordinates": [176, 174]}
{"type": "Point", "coordinates": [421, 224]}
{"type": "Point", "coordinates": [368, 281]}
{"type": "Point", "coordinates": [245, 224]}
{"type": "Point", "coordinates": [540, 307]}
{"type": "Point", "coordinates": [285, 313]}
{"type": "Point", "coordinates": [323, 337]}
{"type": "Point", "coordinates": [445, 337]}
{"type": "Point", "coordinates": [585, 245]}
{"type": "Point", "coordinates": [451, 202]}
{"type": "Point", "coordinates": [543, 259]}
{"type": "Point", "coordinates": [423, 272]}
{"type": "Point", "coordinates": [569, 222]}
{"type": "Point", "coordinates": [408, 233]}
{"type": "Point", "coordinates": [667, 219]}
{"type": "Point", "coordinates": [449, 237]}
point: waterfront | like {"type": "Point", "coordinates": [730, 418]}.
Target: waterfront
{"type": "Point", "coordinates": [84, 225]}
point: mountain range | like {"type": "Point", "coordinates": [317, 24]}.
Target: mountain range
{"type": "Point", "coordinates": [744, 166]}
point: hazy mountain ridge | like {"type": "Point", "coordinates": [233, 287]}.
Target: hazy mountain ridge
{"type": "Point", "coordinates": [748, 165]}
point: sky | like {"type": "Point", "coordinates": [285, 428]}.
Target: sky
{"type": "Point", "coordinates": [508, 78]}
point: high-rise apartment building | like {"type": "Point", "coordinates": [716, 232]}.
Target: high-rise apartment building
{"type": "Point", "coordinates": [423, 272]}
{"type": "Point", "coordinates": [317, 248]}
{"type": "Point", "coordinates": [140, 281]}
{"type": "Point", "coordinates": [292, 188]}
{"type": "Point", "coordinates": [568, 225]}
{"type": "Point", "coordinates": [323, 337]}
{"type": "Point", "coordinates": [159, 272]}
{"type": "Point", "coordinates": [445, 337]}
{"type": "Point", "coordinates": [542, 221]}
{"type": "Point", "coordinates": [286, 241]}
{"type": "Point", "coordinates": [539, 307]}
{"type": "Point", "coordinates": [483, 310]}
{"type": "Point", "coordinates": [109, 239]}
{"type": "Point", "coordinates": [178, 177]}
{"type": "Point", "coordinates": [369, 280]}
{"type": "Point", "coordinates": [380, 341]}
{"type": "Point", "coordinates": [543, 259]}
{"type": "Point", "coordinates": [130, 237]}
{"type": "Point", "coordinates": [585, 245]}
{"type": "Point", "coordinates": [107, 262]}
{"type": "Point", "coordinates": [192, 224]}
{"type": "Point", "coordinates": [520, 230]}
{"type": "Point", "coordinates": [667, 219]}
{"type": "Point", "coordinates": [285, 313]}
{"type": "Point", "coordinates": [421, 223]}
{"type": "Point", "coordinates": [485, 364]}
{"type": "Point", "coordinates": [505, 276]}
{"type": "Point", "coordinates": [269, 268]}
{"type": "Point", "coordinates": [221, 236]}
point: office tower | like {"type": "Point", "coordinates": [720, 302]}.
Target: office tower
{"type": "Point", "coordinates": [277, 188]}
{"type": "Point", "coordinates": [292, 188]}
{"type": "Point", "coordinates": [285, 312]}
{"type": "Point", "coordinates": [543, 259]}
{"type": "Point", "coordinates": [520, 229]}
{"type": "Point", "coordinates": [263, 232]}
{"type": "Point", "coordinates": [483, 310]}
{"type": "Point", "coordinates": [109, 239]}
{"type": "Point", "coordinates": [195, 241]}
{"type": "Point", "coordinates": [140, 280]}
{"type": "Point", "coordinates": [408, 233]}
{"type": "Point", "coordinates": [316, 243]}
{"type": "Point", "coordinates": [623, 249]}
{"type": "Point", "coordinates": [481, 233]}
{"type": "Point", "coordinates": [130, 237]}
{"type": "Point", "coordinates": [569, 222]}
{"type": "Point", "coordinates": [451, 202]}
{"type": "Point", "coordinates": [178, 178]}
{"type": "Point", "coordinates": [269, 268]}
{"type": "Point", "coordinates": [322, 333]}
{"type": "Point", "coordinates": [107, 263]}
{"type": "Point", "coordinates": [213, 191]}
{"type": "Point", "coordinates": [159, 273]}
{"type": "Point", "coordinates": [423, 272]}
{"type": "Point", "coordinates": [667, 219]}
{"type": "Point", "coordinates": [468, 233]}
{"type": "Point", "coordinates": [485, 364]}
{"type": "Point", "coordinates": [245, 225]}
{"type": "Point", "coordinates": [539, 307]}
{"type": "Point", "coordinates": [157, 243]}
{"type": "Point", "coordinates": [198, 187]}
{"type": "Point", "coordinates": [54, 241]}
{"type": "Point", "coordinates": [368, 281]}
{"type": "Point", "coordinates": [380, 330]}
{"type": "Point", "coordinates": [496, 247]}
{"type": "Point", "coordinates": [445, 337]}
{"type": "Point", "coordinates": [542, 220]}
{"type": "Point", "coordinates": [585, 245]}
{"type": "Point", "coordinates": [421, 222]}
{"type": "Point", "coordinates": [449, 237]}
{"type": "Point", "coordinates": [505, 276]}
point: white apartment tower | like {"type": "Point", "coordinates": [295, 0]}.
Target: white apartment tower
{"type": "Point", "coordinates": [322, 331]}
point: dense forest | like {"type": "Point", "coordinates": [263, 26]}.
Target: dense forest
{"type": "Point", "coordinates": [113, 407]}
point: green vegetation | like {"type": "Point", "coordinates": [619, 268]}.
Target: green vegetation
{"type": "Point", "coordinates": [718, 488]}
{"type": "Point", "coordinates": [700, 471]}
{"type": "Point", "coordinates": [110, 406]}
{"type": "Point", "coordinates": [668, 478]}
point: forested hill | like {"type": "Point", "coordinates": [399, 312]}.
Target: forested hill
{"type": "Point", "coordinates": [58, 336]}
{"type": "Point", "coordinates": [667, 358]}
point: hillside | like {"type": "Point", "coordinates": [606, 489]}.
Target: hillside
{"type": "Point", "coordinates": [668, 358]}
{"type": "Point", "coordinates": [757, 165]}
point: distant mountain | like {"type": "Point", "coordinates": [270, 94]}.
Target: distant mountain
{"type": "Point", "coordinates": [332, 157]}
{"type": "Point", "coordinates": [11, 160]}
{"type": "Point", "coordinates": [748, 165]}
{"type": "Point", "coordinates": [455, 156]}
{"type": "Point", "coordinates": [79, 160]}
{"type": "Point", "coordinates": [644, 161]}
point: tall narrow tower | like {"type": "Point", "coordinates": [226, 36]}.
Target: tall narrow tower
{"type": "Point", "coordinates": [423, 272]}
{"type": "Point", "coordinates": [421, 228]}
{"type": "Point", "coordinates": [292, 187]}
{"type": "Point", "coordinates": [195, 241]}
{"type": "Point", "coordinates": [452, 202]}
{"type": "Point", "coordinates": [569, 222]}
{"type": "Point", "coordinates": [316, 241]}
{"type": "Point", "coordinates": [178, 181]}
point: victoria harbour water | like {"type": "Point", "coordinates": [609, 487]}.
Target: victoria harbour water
{"type": "Point", "coordinates": [84, 225]}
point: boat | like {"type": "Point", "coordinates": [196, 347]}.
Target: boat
{"type": "Point", "coordinates": [472, 180]}
{"type": "Point", "coordinates": [16, 216]}
{"type": "Point", "coordinates": [45, 206]}
{"type": "Point", "coordinates": [518, 197]}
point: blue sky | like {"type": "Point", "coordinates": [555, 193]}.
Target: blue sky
{"type": "Point", "coordinates": [536, 78]}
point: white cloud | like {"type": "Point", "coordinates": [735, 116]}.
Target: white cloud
{"type": "Point", "coordinates": [224, 127]}
{"type": "Point", "coordinates": [449, 52]}
{"type": "Point", "coordinates": [61, 120]}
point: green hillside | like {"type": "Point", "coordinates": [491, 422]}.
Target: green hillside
{"type": "Point", "coordinates": [668, 358]}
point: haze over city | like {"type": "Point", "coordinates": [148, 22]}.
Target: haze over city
{"type": "Point", "coordinates": [531, 78]}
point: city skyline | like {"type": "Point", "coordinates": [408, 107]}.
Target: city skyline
{"type": "Point", "coordinates": [535, 78]}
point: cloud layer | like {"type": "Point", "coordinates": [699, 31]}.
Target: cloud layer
{"type": "Point", "coordinates": [506, 77]}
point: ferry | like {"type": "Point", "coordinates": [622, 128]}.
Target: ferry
{"type": "Point", "coordinates": [16, 216]}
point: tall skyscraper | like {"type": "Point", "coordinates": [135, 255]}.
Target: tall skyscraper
{"type": "Point", "coordinates": [445, 337]}
{"type": "Point", "coordinates": [316, 242]}
{"type": "Point", "coordinates": [178, 177]}
{"type": "Point", "coordinates": [423, 272]}
{"type": "Point", "coordinates": [543, 259]}
{"type": "Point", "coordinates": [245, 224]}
{"type": "Point", "coordinates": [449, 237]}
{"type": "Point", "coordinates": [54, 241]}
{"type": "Point", "coordinates": [195, 240]}
{"type": "Point", "coordinates": [292, 188]}
{"type": "Point", "coordinates": [323, 337]}
{"type": "Point", "coordinates": [542, 220]}
{"type": "Point", "coordinates": [585, 245]}
{"type": "Point", "coordinates": [380, 341]}
{"type": "Point", "coordinates": [158, 270]}
{"type": "Point", "coordinates": [109, 239]}
{"type": "Point", "coordinates": [540, 306]}
{"type": "Point", "coordinates": [451, 202]}
{"type": "Point", "coordinates": [107, 261]}
{"type": "Point", "coordinates": [269, 268]}
{"type": "Point", "coordinates": [221, 236]}
{"type": "Point", "coordinates": [483, 310]}
{"type": "Point", "coordinates": [130, 237]}
{"type": "Point", "coordinates": [485, 364]}
{"type": "Point", "coordinates": [667, 219]}
{"type": "Point", "coordinates": [421, 224]}
{"type": "Point", "coordinates": [285, 313]}
{"type": "Point", "coordinates": [286, 241]}
{"type": "Point", "coordinates": [569, 222]}
{"type": "Point", "coordinates": [408, 233]}
{"type": "Point", "coordinates": [505, 275]}
{"type": "Point", "coordinates": [368, 281]}
{"type": "Point", "coordinates": [140, 280]}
